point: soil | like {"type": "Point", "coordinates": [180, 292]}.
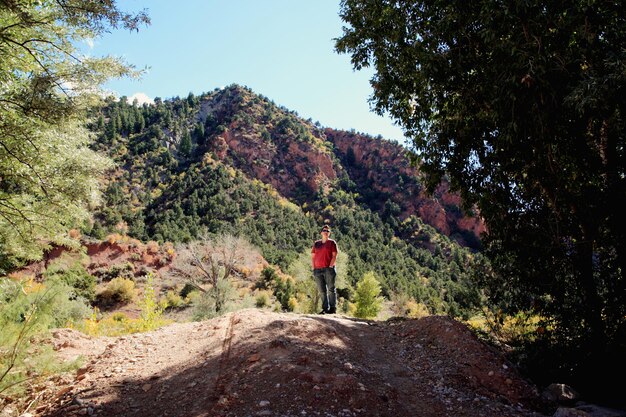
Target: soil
{"type": "Point", "coordinates": [259, 363]}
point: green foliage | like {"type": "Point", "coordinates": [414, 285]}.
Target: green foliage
{"type": "Point", "coordinates": [268, 277]}
{"type": "Point", "coordinates": [76, 276]}
{"type": "Point", "coordinates": [187, 289]}
{"type": "Point", "coordinates": [215, 301]}
{"type": "Point", "coordinates": [27, 311]}
{"type": "Point", "coordinates": [174, 300]}
{"type": "Point", "coordinates": [521, 106]}
{"type": "Point", "coordinates": [118, 290]}
{"type": "Point", "coordinates": [306, 287]}
{"type": "Point", "coordinates": [367, 297]}
{"type": "Point", "coordinates": [48, 173]}
{"type": "Point", "coordinates": [181, 203]}
{"type": "Point", "coordinates": [151, 309]}
{"type": "Point", "coordinates": [119, 324]}
{"type": "Point", "coordinates": [285, 292]}
{"type": "Point", "coordinates": [262, 300]}
{"type": "Point", "coordinates": [283, 288]}
{"type": "Point", "coordinates": [126, 270]}
{"type": "Point", "coordinates": [186, 144]}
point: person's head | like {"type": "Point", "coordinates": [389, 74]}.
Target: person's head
{"type": "Point", "coordinates": [325, 231]}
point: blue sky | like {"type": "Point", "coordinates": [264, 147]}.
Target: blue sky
{"type": "Point", "coordinates": [282, 49]}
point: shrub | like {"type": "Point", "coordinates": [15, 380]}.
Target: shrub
{"type": "Point", "coordinates": [188, 289]}
{"type": "Point", "coordinates": [119, 290]}
{"type": "Point", "coordinates": [118, 324]}
{"type": "Point", "coordinates": [205, 305]}
{"type": "Point", "coordinates": [262, 299]}
{"type": "Point", "coordinates": [174, 300]}
{"type": "Point", "coordinates": [416, 310]}
{"type": "Point", "coordinates": [366, 297]}
{"type": "Point", "coordinates": [77, 277]}
{"type": "Point", "coordinates": [27, 311]}
{"type": "Point", "coordinates": [126, 270]}
{"type": "Point", "coordinates": [285, 290]}
{"type": "Point", "coordinates": [268, 278]}
{"type": "Point", "coordinates": [151, 309]}
{"type": "Point", "coordinates": [292, 304]}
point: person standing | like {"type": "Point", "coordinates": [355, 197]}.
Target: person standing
{"type": "Point", "coordinates": [323, 258]}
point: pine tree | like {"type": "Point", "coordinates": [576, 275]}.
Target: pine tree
{"type": "Point", "coordinates": [186, 145]}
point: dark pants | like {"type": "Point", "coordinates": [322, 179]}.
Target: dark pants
{"type": "Point", "coordinates": [325, 278]}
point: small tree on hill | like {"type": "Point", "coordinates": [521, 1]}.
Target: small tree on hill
{"type": "Point", "coordinates": [367, 297]}
{"type": "Point", "coordinates": [209, 263]}
{"type": "Point", "coordinates": [186, 144]}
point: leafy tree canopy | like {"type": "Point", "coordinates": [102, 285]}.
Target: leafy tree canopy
{"type": "Point", "coordinates": [47, 173]}
{"type": "Point", "coordinates": [521, 105]}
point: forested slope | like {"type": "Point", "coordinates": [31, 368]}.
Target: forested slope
{"type": "Point", "coordinates": [231, 161]}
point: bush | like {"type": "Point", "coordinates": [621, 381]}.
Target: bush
{"type": "Point", "coordinates": [268, 278]}
{"type": "Point", "coordinates": [118, 290]}
{"type": "Point", "coordinates": [77, 277]}
{"type": "Point", "coordinates": [206, 305]}
{"type": "Point", "coordinates": [262, 300]}
{"type": "Point", "coordinates": [188, 289]}
{"type": "Point", "coordinates": [27, 311]}
{"type": "Point", "coordinates": [366, 297]}
{"type": "Point", "coordinates": [117, 271]}
{"type": "Point", "coordinates": [118, 324]}
{"type": "Point", "coordinates": [174, 300]}
{"type": "Point", "coordinates": [151, 309]}
{"type": "Point", "coordinates": [285, 290]}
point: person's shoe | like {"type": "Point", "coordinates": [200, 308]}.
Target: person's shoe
{"type": "Point", "coordinates": [332, 311]}
{"type": "Point", "coordinates": [323, 312]}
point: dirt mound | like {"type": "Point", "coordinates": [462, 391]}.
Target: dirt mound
{"type": "Point", "coordinates": [259, 363]}
{"type": "Point", "coordinates": [71, 344]}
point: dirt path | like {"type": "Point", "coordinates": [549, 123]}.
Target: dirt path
{"type": "Point", "coordinates": [258, 363]}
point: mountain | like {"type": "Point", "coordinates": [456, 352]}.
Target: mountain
{"type": "Point", "coordinates": [232, 161]}
{"type": "Point", "coordinates": [390, 185]}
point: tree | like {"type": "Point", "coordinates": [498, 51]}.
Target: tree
{"type": "Point", "coordinates": [47, 172]}
{"type": "Point", "coordinates": [366, 297]}
{"type": "Point", "coordinates": [520, 105]}
{"type": "Point", "coordinates": [186, 144]}
{"type": "Point", "coordinates": [209, 263]}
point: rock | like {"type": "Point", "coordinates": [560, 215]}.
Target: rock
{"type": "Point", "coordinates": [597, 411]}
{"type": "Point", "coordinates": [264, 403]}
{"type": "Point", "coordinates": [560, 393]}
{"type": "Point", "coordinates": [83, 370]}
{"type": "Point", "coordinates": [569, 412]}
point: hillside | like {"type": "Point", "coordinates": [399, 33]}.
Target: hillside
{"type": "Point", "coordinates": [233, 162]}
{"type": "Point", "coordinates": [261, 363]}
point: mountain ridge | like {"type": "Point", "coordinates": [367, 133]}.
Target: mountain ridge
{"type": "Point", "coordinates": [233, 162]}
{"type": "Point", "coordinates": [310, 158]}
